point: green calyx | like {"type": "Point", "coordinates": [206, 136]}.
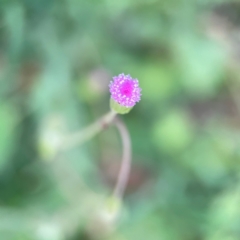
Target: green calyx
{"type": "Point", "coordinates": [116, 107]}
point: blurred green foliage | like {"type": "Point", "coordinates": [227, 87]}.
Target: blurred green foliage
{"type": "Point", "coordinates": [56, 61]}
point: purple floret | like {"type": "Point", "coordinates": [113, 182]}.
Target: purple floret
{"type": "Point", "coordinates": [125, 90]}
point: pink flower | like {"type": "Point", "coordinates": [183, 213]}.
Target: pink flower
{"type": "Point", "coordinates": [125, 90]}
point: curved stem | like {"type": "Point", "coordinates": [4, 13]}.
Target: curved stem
{"type": "Point", "coordinates": [88, 132]}
{"type": "Point", "coordinates": [126, 159]}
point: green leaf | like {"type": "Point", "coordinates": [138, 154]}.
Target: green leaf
{"type": "Point", "coordinates": [173, 133]}
{"type": "Point", "coordinates": [8, 121]}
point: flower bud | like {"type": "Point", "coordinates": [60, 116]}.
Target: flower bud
{"type": "Point", "coordinates": [125, 93]}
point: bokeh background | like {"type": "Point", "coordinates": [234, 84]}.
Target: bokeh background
{"type": "Point", "coordinates": [56, 60]}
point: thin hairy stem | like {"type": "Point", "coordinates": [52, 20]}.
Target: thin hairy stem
{"type": "Point", "coordinates": [89, 132]}
{"type": "Point", "coordinates": [126, 159]}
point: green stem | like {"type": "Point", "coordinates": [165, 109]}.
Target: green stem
{"type": "Point", "coordinates": [89, 132]}
{"type": "Point", "coordinates": [124, 171]}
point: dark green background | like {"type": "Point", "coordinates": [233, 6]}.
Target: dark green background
{"type": "Point", "coordinates": [56, 61]}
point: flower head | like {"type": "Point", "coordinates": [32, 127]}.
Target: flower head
{"type": "Point", "coordinates": [125, 90]}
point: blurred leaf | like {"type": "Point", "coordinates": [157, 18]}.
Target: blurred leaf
{"type": "Point", "coordinates": [206, 162]}
{"type": "Point", "coordinates": [201, 62]}
{"type": "Point", "coordinates": [157, 81]}
{"type": "Point", "coordinates": [224, 216]}
{"type": "Point", "coordinates": [8, 120]}
{"type": "Point", "coordinates": [173, 132]}
{"type": "Point", "coordinates": [14, 19]}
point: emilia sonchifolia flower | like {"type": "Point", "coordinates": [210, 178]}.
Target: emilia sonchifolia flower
{"type": "Point", "coordinates": [125, 93]}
